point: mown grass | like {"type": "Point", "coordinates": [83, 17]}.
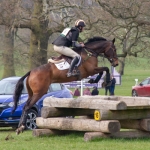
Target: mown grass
{"type": "Point", "coordinates": [74, 141]}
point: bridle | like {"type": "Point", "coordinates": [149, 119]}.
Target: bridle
{"type": "Point", "coordinates": [111, 58]}
{"type": "Point", "coordinates": [91, 53]}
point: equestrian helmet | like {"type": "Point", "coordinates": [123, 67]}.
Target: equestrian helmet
{"type": "Point", "coordinates": [80, 22]}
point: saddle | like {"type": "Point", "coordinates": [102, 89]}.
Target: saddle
{"type": "Point", "coordinates": [63, 62]}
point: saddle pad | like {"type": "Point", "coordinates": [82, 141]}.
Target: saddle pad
{"type": "Point", "coordinates": [63, 65]}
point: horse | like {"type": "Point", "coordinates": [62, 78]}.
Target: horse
{"type": "Point", "coordinates": [39, 79]}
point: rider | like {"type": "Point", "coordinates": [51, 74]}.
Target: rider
{"type": "Point", "coordinates": [68, 38]}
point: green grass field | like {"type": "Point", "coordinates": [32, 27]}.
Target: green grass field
{"type": "Point", "coordinates": [74, 141]}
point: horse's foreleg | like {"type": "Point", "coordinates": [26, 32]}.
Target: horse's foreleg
{"type": "Point", "coordinates": [100, 70]}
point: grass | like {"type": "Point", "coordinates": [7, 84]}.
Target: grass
{"type": "Point", "coordinates": [74, 141]}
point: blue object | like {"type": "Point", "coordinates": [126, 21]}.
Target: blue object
{"type": "Point", "coordinates": [7, 86]}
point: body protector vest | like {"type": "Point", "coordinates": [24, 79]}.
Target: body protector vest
{"type": "Point", "coordinates": [67, 37]}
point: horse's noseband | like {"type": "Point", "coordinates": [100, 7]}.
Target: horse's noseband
{"type": "Point", "coordinates": [111, 59]}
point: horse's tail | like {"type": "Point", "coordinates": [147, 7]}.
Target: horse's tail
{"type": "Point", "coordinates": [18, 90]}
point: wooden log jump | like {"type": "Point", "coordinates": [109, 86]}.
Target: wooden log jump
{"type": "Point", "coordinates": [110, 114]}
{"type": "Point", "coordinates": [78, 124]}
{"type": "Point", "coordinates": [84, 103]}
{"type": "Point", "coordinates": [131, 102]}
{"type": "Point", "coordinates": [46, 132]}
{"type": "Point", "coordinates": [88, 136]}
{"type": "Point", "coordinates": [55, 112]}
{"type": "Point", "coordinates": [143, 124]}
{"type": "Point", "coordinates": [121, 114]}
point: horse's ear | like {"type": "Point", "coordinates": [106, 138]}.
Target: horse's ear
{"type": "Point", "coordinates": [113, 40]}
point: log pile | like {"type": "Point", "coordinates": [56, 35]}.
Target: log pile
{"type": "Point", "coordinates": [96, 116]}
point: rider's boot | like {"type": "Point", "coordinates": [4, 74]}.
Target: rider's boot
{"type": "Point", "coordinates": [72, 65]}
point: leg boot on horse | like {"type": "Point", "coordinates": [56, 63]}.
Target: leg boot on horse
{"type": "Point", "coordinates": [22, 122]}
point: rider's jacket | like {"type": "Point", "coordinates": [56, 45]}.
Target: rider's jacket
{"type": "Point", "coordinates": [69, 39]}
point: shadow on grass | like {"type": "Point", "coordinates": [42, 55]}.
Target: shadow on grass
{"type": "Point", "coordinates": [5, 129]}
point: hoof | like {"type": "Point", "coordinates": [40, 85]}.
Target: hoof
{"type": "Point", "coordinates": [20, 129]}
{"type": "Point", "coordinates": [91, 81]}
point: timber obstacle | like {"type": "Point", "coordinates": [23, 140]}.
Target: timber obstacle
{"type": "Point", "coordinates": [96, 116]}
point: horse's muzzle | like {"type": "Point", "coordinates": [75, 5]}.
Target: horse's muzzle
{"type": "Point", "coordinates": [115, 64]}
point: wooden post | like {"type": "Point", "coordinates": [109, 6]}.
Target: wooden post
{"type": "Point", "coordinates": [55, 112]}
{"type": "Point", "coordinates": [130, 101]}
{"type": "Point", "coordinates": [84, 103]}
{"type": "Point", "coordinates": [121, 114]}
{"type": "Point", "coordinates": [78, 124]}
{"type": "Point", "coordinates": [88, 136]}
{"type": "Point", "coordinates": [143, 124]}
{"type": "Point", "coordinates": [46, 132]}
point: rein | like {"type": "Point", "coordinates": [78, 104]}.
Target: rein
{"type": "Point", "coordinates": [90, 53]}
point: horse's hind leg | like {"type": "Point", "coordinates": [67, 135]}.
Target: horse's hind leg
{"type": "Point", "coordinates": [30, 102]}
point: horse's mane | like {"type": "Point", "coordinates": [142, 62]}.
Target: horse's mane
{"type": "Point", "coordinates": [96, 38]}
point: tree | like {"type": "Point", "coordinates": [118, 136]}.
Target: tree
{"type": "Point", "coordinates": [128, 26]}
{"type": "Point", "coordinates": [8, 60]}
{"type": "Point", "coordinates": [8, 45]}
{"type": "Point", "coordinates": [117, 18]}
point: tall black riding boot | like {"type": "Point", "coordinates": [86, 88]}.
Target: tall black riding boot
{"type": "Point", "coordinates": [72, 65]}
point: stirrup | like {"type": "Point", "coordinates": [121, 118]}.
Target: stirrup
{"type": "Point", "coordinates": [75, 73]}
{"type": "Point", "coordinates": [69, 74]}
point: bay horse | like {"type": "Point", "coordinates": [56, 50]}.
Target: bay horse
{"type": "Point", "coordinates": [39, 79]}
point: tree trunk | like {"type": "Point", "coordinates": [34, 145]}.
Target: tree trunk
{"type": "Point", "coordinates": [38, 50]}
{"type": "Point", "coordinates": [140, 124]}
{"type": "Point", "coordinates": [47, 132]}
{"type": "Point", "coordinates": [121, 66]}
{"type": "Point", "coordinates": [8, 58]}
{"type": "Point", "coordinates": [89, 103]}
{"type": "Point", "coordinates": [88, 136]}
{"type": "Point", "coordinates": [121, 115]}
{"type": "Point", "coordinates": [107, 126]}
{"type": "Point", "coordinates": [39, 37]}
{"type": "Point", "coordinates": [47, 112]}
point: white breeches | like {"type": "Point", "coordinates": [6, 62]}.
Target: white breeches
{"type": "Point", "coordinates": [66, 51]}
